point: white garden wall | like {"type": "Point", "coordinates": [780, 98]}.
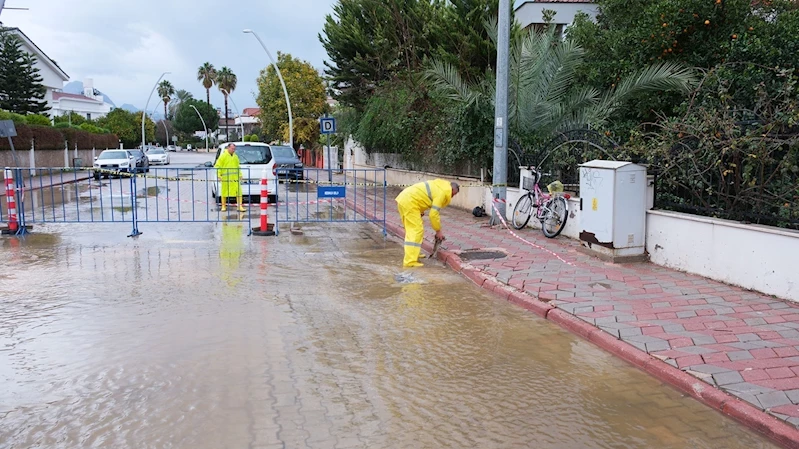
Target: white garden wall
{"type": "Point", "coordinates": [756, 257]}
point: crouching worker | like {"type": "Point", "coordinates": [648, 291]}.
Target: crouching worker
{"type": "Point", "coordinates": [412, 203]}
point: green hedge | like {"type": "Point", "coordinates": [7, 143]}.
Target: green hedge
{"type": "Point", "coordinates": [50, 138]}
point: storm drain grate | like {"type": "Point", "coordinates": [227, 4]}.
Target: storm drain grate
{"type": "Point", "coordinates": [481, 255]}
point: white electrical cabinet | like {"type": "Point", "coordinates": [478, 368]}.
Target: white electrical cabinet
{"type": "Point", "coordinates": [613, 208]}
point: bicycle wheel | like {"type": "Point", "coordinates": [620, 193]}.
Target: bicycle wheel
{"type": "Point", "coordinates": [522, 212]}
{"type": "Point", "coordinates": [556, 212]}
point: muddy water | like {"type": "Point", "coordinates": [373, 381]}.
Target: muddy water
{"type": "Point", "coordinates": [201, 337]}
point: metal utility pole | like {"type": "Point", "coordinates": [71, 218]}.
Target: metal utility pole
{"type": "Point", "coordinates": [501, 128]}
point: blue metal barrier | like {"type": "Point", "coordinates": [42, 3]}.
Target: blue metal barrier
{"type": "Point", "coordinates": [354, 195]}
{"type": "Point", "coordinates": [55, 195]}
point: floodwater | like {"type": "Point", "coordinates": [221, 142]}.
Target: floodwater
{"type": "Point", "coordinates": [198, 336]}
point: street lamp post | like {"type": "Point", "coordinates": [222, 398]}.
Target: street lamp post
{"type": "Point", "coordinates": [206, 128]}
{"type": "Point", "coordinates": [144, 111]}
{"type": "Point", "coordinates": [283, 83]}
{"type": "Point", "coordinates": [166, 130]}
{"type": "Point", "coordinates": [237, 112]}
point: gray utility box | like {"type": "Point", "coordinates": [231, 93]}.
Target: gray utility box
{"type": "Point", "coordinates": [613, 209]}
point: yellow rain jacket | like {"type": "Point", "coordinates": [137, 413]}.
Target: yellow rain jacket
{"type": "Point", "coordinates": [228, 170]}
{"type": "Point", "coordinates": [412, 203]}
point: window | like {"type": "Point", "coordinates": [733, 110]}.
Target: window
{"type": "Point", "coordinates": [88, 116]}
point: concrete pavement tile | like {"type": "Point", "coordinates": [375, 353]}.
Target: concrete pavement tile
{"type": "Point", "coordinates": [657, 346]}
{"type": "Point", "coordinates": [611, 331]}
{"type": "Point", "coordinates": [730, 377]}
{"type": "Point", "coordinates": [746, 387]}
{"type": "Point", "coordinates": [639, 345]}
{"type": "Point", "coordinates": [646, 339]}
{"type": "Point", "coordinates": [748, 397]}
{"type": "Point", "coordinates": [686, 314]}
{"type": "Point", "coordinates": [672, 362]}
{"type": "Point", "coordinates": [630, 332]}
{"type": "Point", "coordinates": [582, 309]}
{"type": "Point", "coordinates": [779, 305]}
{"type": "Point", "coordinates": [740, 355]}
{"type": "Point", "coordinates": [773, 399]}
{"type": "Point", "coordinates": [673, 328]}
{"type": "Point", "coordinates": [748, 346]}
{"type": "Point", "coordinates": [793, 395]}
{"type": "Point", "coordinates": [658, 305]}
{"type": "Point", "coordinates": [789, 333]}
{"type": "Point", "coordinates": [698, 350]}
{"type": "Point", "coordinates": [626, 318]}
{"type": "Point", "coordinates": [709, 369]}
{"type": "Point", "coordinates": [743, 338]}
{"type": "Point", "coordinates": [794, 421]}
{"type": "Point", "coordinates": [704, 340]}
{"type": "Point", "coordinates": [605, 320]}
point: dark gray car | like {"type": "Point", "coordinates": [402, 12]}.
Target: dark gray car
{"type": "Point", "coordinates": [142, 163]}
{"type": "Point", "coordinates": [287, 163]}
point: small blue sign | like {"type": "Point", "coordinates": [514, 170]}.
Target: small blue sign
{"type": "Point", "coordinates": [331, 192]}
{"type": "Point", "coordinates": [328, 125]}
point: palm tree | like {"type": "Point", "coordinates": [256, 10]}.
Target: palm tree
{"type": "Point", "coordinates": [165, 91]}
{"type": "Point", "coordinates": [226, 81]}
{"type": "Point", "coordinates": [542, 97]}
{"type": "Point", "coordinates": [180, 96]}
{"type": "Point", "coordinates": [206, 74]}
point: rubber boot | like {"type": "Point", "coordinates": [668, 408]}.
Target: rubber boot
{"type": "Point", "coordinates": [224, 204]}
{"type": "Point", "coordinates": [241, 208]}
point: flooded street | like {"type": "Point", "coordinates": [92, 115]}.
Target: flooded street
{"type": "Point", "coordinates": [199, 336]}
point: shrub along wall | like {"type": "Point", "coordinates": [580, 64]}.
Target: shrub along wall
{"type": "Point", "coordinates": [49, 146]}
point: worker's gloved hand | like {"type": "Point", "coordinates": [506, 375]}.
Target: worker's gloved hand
{"type": "Point", "coordinates": [440, 235]}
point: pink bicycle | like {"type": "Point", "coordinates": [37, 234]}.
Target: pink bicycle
{"type": "Point", "coordinates": [552, 209]}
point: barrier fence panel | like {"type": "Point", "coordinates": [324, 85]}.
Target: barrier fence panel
{"type": "Point", "coordinates": [317, 195]}
{"type": "Point", "coordinates": [55, 195]}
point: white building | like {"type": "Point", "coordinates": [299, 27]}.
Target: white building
{"type": "Point", "coordinates": [53, 77]}
{"type": "Point", "coordinates": [530, 13]}
{"type": "Point", "coordinates": [90, 104]}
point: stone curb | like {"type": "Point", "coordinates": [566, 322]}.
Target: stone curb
{"type": "Point", "coordinates": [776, 430]}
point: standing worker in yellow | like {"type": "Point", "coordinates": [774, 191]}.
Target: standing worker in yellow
{"type": "Point", "coordinates": [229, 173]}
{"type": "Point", "coordinates": [412, 204]}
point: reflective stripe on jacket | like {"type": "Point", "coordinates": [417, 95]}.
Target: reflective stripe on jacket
{"type": "Point", "coordinates": [434, 195]}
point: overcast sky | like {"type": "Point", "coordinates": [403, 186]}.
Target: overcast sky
{"type": "Point", "coordinates": [125, 45]}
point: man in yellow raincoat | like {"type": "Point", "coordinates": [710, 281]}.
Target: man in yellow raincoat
{"type": "Point", "coordinates": [412, 203]}
{"type": "Point", "coordinates": [228, 171]}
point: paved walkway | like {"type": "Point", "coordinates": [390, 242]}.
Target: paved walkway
{"type": "Point", "coordinates": [670, 323]}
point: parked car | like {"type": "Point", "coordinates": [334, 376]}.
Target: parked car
{"type": "Point", "coordinates": [287, 162]}
{"type": "Point", "coordinates": [171, 148]}
{"type": "Point", "coordinates": [254, 157]}
{"type": "Point", "coordinates": [113, 160]}
{"type": "Point", "coordinates": [142, 163]}
{"type": "Point", "coordinates": [157, 156]}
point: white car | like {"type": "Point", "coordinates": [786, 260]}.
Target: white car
{"type": "Point", "coordinates": [114, 160]}
{"type": "Point", "coordinates": [254, 157]}
{"type": "Point", "coordinates": [157, 156]}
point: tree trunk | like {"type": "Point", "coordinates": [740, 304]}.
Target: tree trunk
{"type": "Point", "coordinates": [165, 110]}
{"type": "Point", "coordinates": [227, 134]}
{"type": "Point", "coordinates": [208, 96]}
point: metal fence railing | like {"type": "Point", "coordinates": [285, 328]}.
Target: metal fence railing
{"type": "Point", "coordinates": [319, 195]}
{"type": "Point", "coordinates": [54, 195]}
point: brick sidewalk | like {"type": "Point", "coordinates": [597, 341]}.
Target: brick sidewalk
{"type": "Point", "coordinates": [738, 341]}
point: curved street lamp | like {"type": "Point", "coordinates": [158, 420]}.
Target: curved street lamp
{"type": "Point", "coordinates": [237, 111]}
{"type": "Point", "coordinates": [206, 128]}
{"type": "Point", "coordinates": [144, 111]}
{"type": "Point", "coordinates": [283, 83]}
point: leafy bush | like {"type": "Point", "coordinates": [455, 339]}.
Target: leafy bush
{"type": "Point", "coordinates": [18, 119]}
{"type": "Point", "coordinates": [720, 161]}
{"type": "Point", "coordinates": [88, 127]}
{"type": "Point", "coordinates": [61, 125]}
{"type": "Point", "coordinates": [253, 138]}
{"type": "Point", "coordinates": [37, 119]}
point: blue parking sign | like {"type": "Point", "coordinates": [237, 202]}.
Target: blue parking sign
{"type": "Point", "coordinates": [331, 192]}
{"type": "Point", "coordinates": [328, 125]}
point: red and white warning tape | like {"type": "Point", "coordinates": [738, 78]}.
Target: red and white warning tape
{"type": "Point", "coordinates": [502, 219]}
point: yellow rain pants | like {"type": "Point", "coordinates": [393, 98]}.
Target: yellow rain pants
{"type": "Point", "coordinates": [412, 203]}
{"type": "Point", "coordinates": [228, 169]}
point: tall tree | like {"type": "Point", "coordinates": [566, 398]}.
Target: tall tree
{"type": "Point", "coordinates": [180, 96]}
{"type": "Point", "coordinates": [187, 121]}
{"type": "Point", "coordinates": [206, 74]}
{"type": "Point", "coordinates": [372, 41]}
{"type": "Point", "coordinates": [165, 91]}
{"type": "Point", "coordinates": [308, 100]}
{"type": "Point", "coordinates": [21, 88]}
{"type": "Point", "coordinates": [226, 80]}
{"type": "Point", "coordinates": [127, 126]}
